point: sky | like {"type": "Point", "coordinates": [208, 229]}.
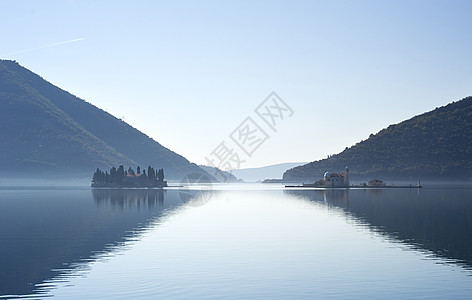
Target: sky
{"type": "Point", "coordinates": [192, 74]}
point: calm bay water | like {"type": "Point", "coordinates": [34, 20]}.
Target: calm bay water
{"type": "Point", "coordinates": [236, 241]}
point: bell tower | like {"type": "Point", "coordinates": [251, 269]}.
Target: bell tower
{"type": "Point", "coordinates": [346, 177]}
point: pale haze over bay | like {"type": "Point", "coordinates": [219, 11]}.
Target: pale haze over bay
{"type": "Point", "coordinates": [188, 73]}
{"type": "Point", "coordinates": [334, 188]}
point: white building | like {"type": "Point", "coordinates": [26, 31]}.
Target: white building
{"type": "Point", "coordinates": [333, 179]}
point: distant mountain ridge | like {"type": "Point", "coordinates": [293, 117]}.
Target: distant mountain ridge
{"type": "Point", "coordinates": [46, 130]}
{"type": "Point", "coordinates": [219, 175]}
{"type": "Point", "coordinates": [436, 145]}
{"type": "Point", "coordinates": [266, 172]}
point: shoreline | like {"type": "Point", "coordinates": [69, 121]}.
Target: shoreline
{"type": "Point", "coordinates": [357, 187]}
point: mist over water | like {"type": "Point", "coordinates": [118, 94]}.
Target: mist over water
{"type": "Point", "coordinates": [246, 241]}
{"type": "Point", "coordinates": [44, 182]}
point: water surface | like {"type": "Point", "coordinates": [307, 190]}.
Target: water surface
{"type": "Point", "coordinates": [241, 241]}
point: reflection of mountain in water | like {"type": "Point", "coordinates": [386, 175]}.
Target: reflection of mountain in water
{"type": "Point", "coordinates": [438, 220]}
{"type": "Point", "coordinates": [46, 233]}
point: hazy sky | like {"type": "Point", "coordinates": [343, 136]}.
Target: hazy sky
{"type": "Point", "coordinates": [188, 73]}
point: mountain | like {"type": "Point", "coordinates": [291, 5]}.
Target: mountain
{"type": "Point", "coordinates": [219, 175]}
{"type": "Point", "coordinates": [48, 131]}
{"type": "Point", "coordinates": [259, 174]}
{"type": "Point", "coordinates": [436, 145]}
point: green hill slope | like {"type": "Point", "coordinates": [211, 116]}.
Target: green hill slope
{"type": "Point", "coordinates": [47, 130]}
{"type": "Point", "coordinates": [434, 145]}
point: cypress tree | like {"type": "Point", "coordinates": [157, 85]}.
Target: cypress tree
{"type": "Point", "coordinates": [160, 175]}
{"type": "Point", "coordinates": [130, 171]}
{"type": "Point", "coordinates": [150, 173]}
{"type": "Point", "coordinates": [113, 177]}
{"type": "Point", "coordinates": [121, 173]}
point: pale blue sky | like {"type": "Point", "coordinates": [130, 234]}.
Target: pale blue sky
{"type": "Point", "coordinates": [187, 73]}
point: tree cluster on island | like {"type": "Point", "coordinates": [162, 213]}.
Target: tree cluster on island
{"type": "Point", "coordinates": [119, 177]}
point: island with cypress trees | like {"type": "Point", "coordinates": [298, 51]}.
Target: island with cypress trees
{"type": "Point", "coordinates": [119, 177]}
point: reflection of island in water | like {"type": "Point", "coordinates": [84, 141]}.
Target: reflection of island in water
{"type": "Point", "coordinates": [47, 233]}
{"type": "Point", "coordinates": [125, 198]}
{"type": "Point", "coordinates": [438, 220]}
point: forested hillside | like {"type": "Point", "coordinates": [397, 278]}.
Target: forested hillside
{"type": "Point", "coordinates": [46, 130]}
{"type": "Point", "coordinates": [434, 145]}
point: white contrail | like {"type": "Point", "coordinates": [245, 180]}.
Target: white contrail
{"type": "Point", "coordinates": [45, 46]}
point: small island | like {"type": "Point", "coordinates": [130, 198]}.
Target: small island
{"type": "Point", "coordinates": [119, 178]}
{"type": "Point", "coordinates": [342, 180]}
